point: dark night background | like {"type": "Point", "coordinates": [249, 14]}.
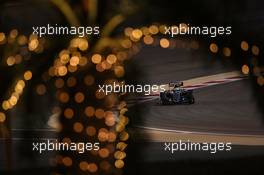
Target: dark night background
{"type": "Point", "coordinates": [246, 18]}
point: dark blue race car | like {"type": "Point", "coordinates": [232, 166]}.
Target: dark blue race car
{"type": "Point", "coordinates": [176, 95]}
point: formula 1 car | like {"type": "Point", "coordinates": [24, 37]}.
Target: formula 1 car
{"type": "Point", "coordinates": [176, 95]}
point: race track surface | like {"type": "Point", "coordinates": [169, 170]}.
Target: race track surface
{"type": "Point", "coordinates": [225, 108]}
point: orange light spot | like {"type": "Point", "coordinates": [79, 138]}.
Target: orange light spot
{"type": "Point", "coordinates": [227, 52]}
{"type": "Point", "coordinates": [83, 166]}
{"type": "Point", "coordinates": [89, 80]}
{"type": "Point", "coordinates": [148, 40]}
{"type": "Point", "coordinates": [28, 75]}
{"type": "Point", "coordinates": [213, 48]}
{"type": "Point", "coordinates": [245, 69]}
{"type": "Point", "coordinates": [78, 127]}
{"type": "Point", "coordinates": [68, 113]}
{"type": "Point", "coordinates": [96, 58]}
{"type": "Point", "coordinates": [104, 152]}
{"type": "Point", "coordinates": [79, 97]}
{"type": "Point", "coordinates": [67, 161]}
{"type": "Point", "coordinates": [2, 117]}
{"type": "Point", "coordinates": [41, 89]}
{"type": "Point", "coordinates": [71, 82]}
{"type": "Point", "coordinates": [64, 97]}
{"type": "Point", "coordinates": [164, 43]}
{"type": "Point", "coordinates": [91, 131]}
{"type": "Point", "coordinates": [59, 83]}
{"type": "Point", "coordinates": [244, 46]}
{"type": "Point", "coordinates": [89, 111]}
{"type": "Point", "coordinates": [92, 167]}
{"type": "Point", "coordinates": [111, 59]}
{"type": "Point", "coordinates": [99, 113]}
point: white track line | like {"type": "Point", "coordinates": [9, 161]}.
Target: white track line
{"type": "Point", "coordinates": [167, 135]}
{"type": "Point", "coordinates": [195, 83]}
{"type": "Point", "coordinates": [199, 132]}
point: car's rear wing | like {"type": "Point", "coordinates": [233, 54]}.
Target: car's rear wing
{"type": "Point", "coordinates": [176, 84]}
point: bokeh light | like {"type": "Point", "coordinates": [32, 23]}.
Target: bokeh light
{"type": "Point", "coordinates": [213, 48]}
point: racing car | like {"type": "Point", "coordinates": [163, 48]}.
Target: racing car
{"type": "Point", "coordinates": [176, 95]}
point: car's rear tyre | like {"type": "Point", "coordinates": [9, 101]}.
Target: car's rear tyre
{"type": "Point", "coordinates": [164, 102]}
{"type": "Point", "coordinates": [192, 101]}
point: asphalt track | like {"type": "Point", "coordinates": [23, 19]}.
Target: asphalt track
{"type": "Point", "coordinates": [226, 112]}
{"type": "Point", "coordinates": [229, 108]}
